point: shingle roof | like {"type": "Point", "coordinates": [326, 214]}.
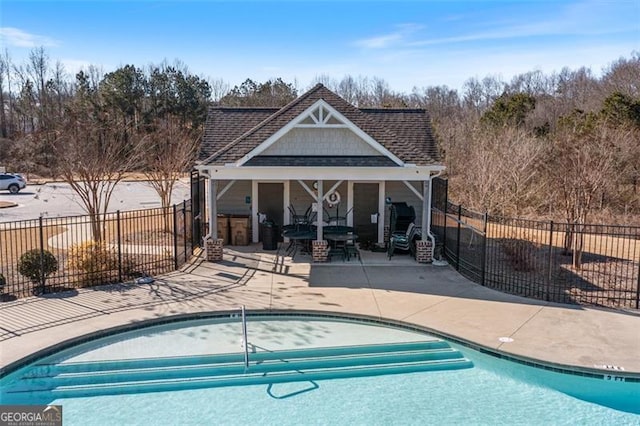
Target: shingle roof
{"type": "Point", "coordinates": [231, 133]}
{"type": "Point", "coordinates": [225, 125]}
{"type": "Point", "coordinates": [411, 125]}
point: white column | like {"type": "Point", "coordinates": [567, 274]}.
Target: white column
{"type": "Point", "coordinates": [254, 212]}
{"type": "Point", "coordinates": [381, 205]}
{"type": "Point", "coordinates": [426, 207]}
{"type": "Point", "coordinates": [286, 217]}
{"type": "Point", "coordinates": [350, 202]}
{"type": "Point", "coordinates": [213, 209]}
{"type": "Point", "coordinates": [320, 201]}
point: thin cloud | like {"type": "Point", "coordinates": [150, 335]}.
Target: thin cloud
{"type": "Point", "coordinates": [18, 38]}
{"type": "Point", "coordinates": [534, 30]}
{"type": "Point", "coordinates": [582, 18]}
{"type": "Point", "coordinates": [400, 36]}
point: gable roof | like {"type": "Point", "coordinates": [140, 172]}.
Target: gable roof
{"type": "Point", "coordinates": [225, 125]}
{"type": "Point", "coordinates": [231, 133]}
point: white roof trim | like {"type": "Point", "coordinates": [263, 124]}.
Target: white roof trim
{"type": "Point", "coordinates": [320, 173]}
{"type": "Point", "coordinates": [308, 113]}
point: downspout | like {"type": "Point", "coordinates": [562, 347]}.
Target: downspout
{"type": "Point", "coordinates": [429, 195]}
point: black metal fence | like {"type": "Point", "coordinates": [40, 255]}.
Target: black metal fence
{"type": "Point", "coordinates": [558, 262]}
{"type": "Point", "coordinates": [47, 255]}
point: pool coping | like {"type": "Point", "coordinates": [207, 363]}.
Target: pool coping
{"type": "Point", "coordinates": [622, 376]}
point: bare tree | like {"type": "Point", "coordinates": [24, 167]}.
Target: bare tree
{"type": "Point", "coordinates": [326, 80]}
{"type": "Point", "coordinates": [479, 95]}
{"type": "Point", "coordinates": [170, 148]}
{"type": "Point", "coordinates": [581, 163]}
{"type": "Point", "coordinates": [501, 169]}
{"type": "Point", "coordinates": [624, 76]}
{"type": "Point", "coordinates": [94, 155]}
{"type": "Point", "coordinates": [219, 89]}
{"type": "Point", "coordinates": [5, 100]}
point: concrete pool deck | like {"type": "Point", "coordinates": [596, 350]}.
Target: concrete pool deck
{"type": "Point", "coordinates": [435, 297]}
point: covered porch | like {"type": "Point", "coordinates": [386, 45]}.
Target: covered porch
{"type": "Point", "coordinates": [316, 201]}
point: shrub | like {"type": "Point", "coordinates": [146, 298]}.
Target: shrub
{"type": "Point", "coordinates": [130, 266]}
{"type": "Point", "coordinates": [92, 258]}
{"type": "Point", "coordinates": [3, 282]}
{"type": "Point", "coordinates": [520, 253]}
{"type": "Point", "coordinates": [37, 265]}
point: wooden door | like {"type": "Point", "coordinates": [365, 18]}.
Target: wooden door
{"type": "Point", "coordinates": [365, 204]}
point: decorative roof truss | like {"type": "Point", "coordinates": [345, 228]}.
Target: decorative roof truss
{"type": "Point", "coordinates": [321, 116]}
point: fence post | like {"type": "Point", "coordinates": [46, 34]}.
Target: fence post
{"type": "Point", "coordinates": [42, 277]}
{"type": "Point", "coordinates": [484, 248]}
{"type": "Point", "coordinates": [175, 236]}
{"type": "Point", "coordinates": [550, 263]}
{"type": "Point", "coordinates": [184, 227]}
{"type": "Point", "coordinates": [638, 288]}
{"type": "Point", "coordinates": [119, 232]}
{"type": "Point", "coordinates": [458, 238]}
{"type": "Point", "coordinates": [446, 209]}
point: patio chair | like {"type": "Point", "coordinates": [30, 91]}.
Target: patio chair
{"type": "Point", "coordinates": [404, 241]}
{"type": "Point", "coordinates": [299, 219]}
{"type": "Point", "coordinates": [401, 216]}
{"type": "Point", "coordinates": [310, 215]}
{"type": "Point", "coordinates": [351, 250]}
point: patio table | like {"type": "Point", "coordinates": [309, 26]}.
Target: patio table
{"type": "Point", "coordinates": [342, 238]}
{"type": "Point", "coordinates": [299, 238]}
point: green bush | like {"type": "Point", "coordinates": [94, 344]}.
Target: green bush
{"type": "Point", "coordinates": [3, 282]}
{"type": "Point", "coordinates": [37, 265]}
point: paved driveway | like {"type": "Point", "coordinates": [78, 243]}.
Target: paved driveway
{"type": "Point", "coordinates": [58, 199]}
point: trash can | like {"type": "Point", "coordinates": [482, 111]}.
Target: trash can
{"type": "Point", "coordinates": [240, 230]}
{"type": "Point", "coordinates": [270, 232]}
{"type": "Point", "coordinates": [223, 228]}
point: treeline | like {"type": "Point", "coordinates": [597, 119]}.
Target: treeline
{"type": "Point", "coordinates": [563, 145]}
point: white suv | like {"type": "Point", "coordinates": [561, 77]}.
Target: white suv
{"type": "Point", "coordinates": [13, 183]}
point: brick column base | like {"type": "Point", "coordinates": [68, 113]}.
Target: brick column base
{"type": "Point", "coordinates": [214, 249]}
{"type": "Point", "coordinates": [424, 251]}
{"type": "Point", "coordinates": [320, 251]}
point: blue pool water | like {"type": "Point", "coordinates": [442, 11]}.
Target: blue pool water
{"type": "Point", "coordinates": [457, 385]}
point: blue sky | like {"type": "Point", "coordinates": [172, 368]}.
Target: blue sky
{"type": "Point", "coordinates": [412, 43]}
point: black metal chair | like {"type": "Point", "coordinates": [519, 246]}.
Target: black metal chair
{"type": "Point", "coordinates": [299, 219]}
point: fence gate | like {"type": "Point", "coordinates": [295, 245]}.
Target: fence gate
{"type": "Point", "coordinates": [198, 206]}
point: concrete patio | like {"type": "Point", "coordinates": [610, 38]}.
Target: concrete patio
{"type": "Point", "coordinates": [434, 297]}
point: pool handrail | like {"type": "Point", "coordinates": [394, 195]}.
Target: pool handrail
{"type": "Point", "coordinates": [245, 343]}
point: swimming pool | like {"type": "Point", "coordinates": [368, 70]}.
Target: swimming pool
{"type": "Point", "coordinates": [307, 370]}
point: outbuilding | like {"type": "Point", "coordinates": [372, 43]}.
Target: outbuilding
{"type": "Point", "coordinates": [320, 156]}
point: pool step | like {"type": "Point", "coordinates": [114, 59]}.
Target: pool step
{"type": "Point", "coordinates": [229, 370]}
{"type": "Point", "coordinates": [241, 380]}
{"type": "Point", "coordinates": [43, 369]}
{"type": "Point", "coordinates": [238, 367]}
